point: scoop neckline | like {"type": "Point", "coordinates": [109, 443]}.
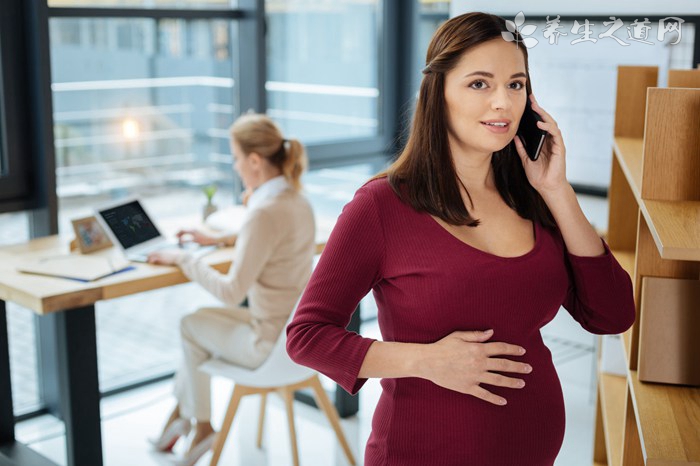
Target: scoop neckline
{"type": "Point", "coordinates": [535, 248]}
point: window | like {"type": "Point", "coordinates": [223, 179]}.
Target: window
{"type": "Point", "coordinates": [324, 68]}
{"type": "Point", "coordinates": [142, 108]}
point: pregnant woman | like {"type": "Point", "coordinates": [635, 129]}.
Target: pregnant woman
{"type": "Point", "coordinates": [470, 248]}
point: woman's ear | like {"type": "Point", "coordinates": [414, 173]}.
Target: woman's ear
{"type": "Point", "coordinates": [255, 160]}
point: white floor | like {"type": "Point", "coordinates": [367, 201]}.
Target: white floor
{"type": "Point", "coordinates": [129, 418]}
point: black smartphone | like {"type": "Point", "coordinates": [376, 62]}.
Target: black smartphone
{"type": "Point", "coordinates": [530, 134]}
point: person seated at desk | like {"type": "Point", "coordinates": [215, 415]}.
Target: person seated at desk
{"type": "Point", "coordinates": [272, 264]}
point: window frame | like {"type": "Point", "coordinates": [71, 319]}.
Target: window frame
{"type": "Point", "coordinates": [15, 180]}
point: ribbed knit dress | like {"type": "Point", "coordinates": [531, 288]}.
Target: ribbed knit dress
{"type": "Point", "coordinates": [428, 284]}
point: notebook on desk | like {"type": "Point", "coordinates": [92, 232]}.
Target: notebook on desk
{"type": "Point", "coordinates": [85, 268]}
{"type": "Point", "coordinates": [131, 228]}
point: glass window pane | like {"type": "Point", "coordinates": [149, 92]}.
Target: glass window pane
{"type": "Point", "coordinates": [142, 108]}
{"type": "Point", "coordinates": [441, 7]}
{"type": "Point", "coordinates": [191, 4]}
{"type": "Point", "coordinates": [323, 68]}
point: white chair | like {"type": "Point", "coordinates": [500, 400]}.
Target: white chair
{"type": "Point", "coordinates": [277, 374]}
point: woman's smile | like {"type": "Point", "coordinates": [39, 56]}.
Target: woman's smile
{"type": "Point", "coordinates": [497, 126]}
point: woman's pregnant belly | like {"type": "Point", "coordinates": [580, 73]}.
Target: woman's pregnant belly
{"type": "Point", "coordinates": [419, 423]}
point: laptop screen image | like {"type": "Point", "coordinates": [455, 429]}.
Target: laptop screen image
{"type": "Point", "coordinates": [129, 224]}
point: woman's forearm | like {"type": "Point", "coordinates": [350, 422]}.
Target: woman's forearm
{"type": "Point", "coordinates": [580, 237]}
{"type": "Point", "coordinates": [393, 360]}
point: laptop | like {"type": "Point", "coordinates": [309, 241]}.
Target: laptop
{"type": "Point", "coordinates": [131, 228]}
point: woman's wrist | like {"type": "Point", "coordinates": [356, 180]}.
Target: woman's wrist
{"type": "Point", "coordinates": [554, 194]}
{"type": "Point", "coordinates": [395, 360]}
{"type": "Point", "coordinates": [224, 240]}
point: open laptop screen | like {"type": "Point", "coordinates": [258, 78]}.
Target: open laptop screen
{"type": "Point", "coordinates": [130, 224]}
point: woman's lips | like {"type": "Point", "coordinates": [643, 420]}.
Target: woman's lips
{"type": "Point", "coordinates": [496, 129]}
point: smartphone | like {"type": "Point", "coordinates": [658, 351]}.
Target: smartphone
{"type": "Point", "coordinates": [530, 134]}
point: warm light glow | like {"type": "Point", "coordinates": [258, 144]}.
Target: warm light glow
{"type": "Point", "coordinates": [130, 128]}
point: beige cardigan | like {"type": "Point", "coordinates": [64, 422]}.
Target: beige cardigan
{"type": "Point", "coordinates": [271, 266]}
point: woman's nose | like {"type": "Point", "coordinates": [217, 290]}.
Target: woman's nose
{"type": "Point", "coordinates": [501, 100]}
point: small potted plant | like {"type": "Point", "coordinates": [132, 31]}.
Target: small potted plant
{"type": "Point", "coordinates": [210, 208]}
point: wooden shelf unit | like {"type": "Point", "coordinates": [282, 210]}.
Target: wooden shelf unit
{"type": "Point", "coordinates": [653, 231]}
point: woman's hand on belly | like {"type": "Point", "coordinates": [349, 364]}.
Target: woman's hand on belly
{"type": "Point", "coordinates": [463, 360]}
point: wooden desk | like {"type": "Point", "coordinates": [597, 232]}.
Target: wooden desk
{"type": "Point", "coordinates": [68, 308]}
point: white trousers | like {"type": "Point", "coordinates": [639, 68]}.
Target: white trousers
{"type": "Point", "coordinates": [223, 333]}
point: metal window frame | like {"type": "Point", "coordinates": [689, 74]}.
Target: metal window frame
{"type": "Point", "coordinates": [15, 181]}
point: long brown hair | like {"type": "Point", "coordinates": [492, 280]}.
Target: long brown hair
{"type": "Point", "coordinates": [424, 175]}
{"type": "Point", "coordinates": [256, 132]}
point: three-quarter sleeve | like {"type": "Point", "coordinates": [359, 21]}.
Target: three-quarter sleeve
{"type": "Point", "coordinates": [350, 265]}
{"type": "Point", "coordinates": [600, 295]}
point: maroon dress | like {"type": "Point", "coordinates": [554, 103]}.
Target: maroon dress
{"type": "Point", "coordinates": [428, 284]}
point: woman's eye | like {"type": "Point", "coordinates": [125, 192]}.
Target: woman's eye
{"type": "Point", "coordinates": [517, 85]}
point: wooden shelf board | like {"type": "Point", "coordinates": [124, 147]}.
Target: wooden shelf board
{"type": "Point", "coordinates": [668, 419]}
{"type": "Point", "coordinates": [675, 227]}
{"type": "Point", "coordinates": [626, 260]}
{"type": "Point", "coordinates": [613, 392]}
{"type": "Point", "coordinates": [598, 463]}
{"type": "Point", "coordinates": [629, 154]}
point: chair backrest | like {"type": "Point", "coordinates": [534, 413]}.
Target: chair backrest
{"type": "Point", "coordinates": [277, 370]}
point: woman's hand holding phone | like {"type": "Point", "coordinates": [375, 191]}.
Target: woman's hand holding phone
{"type": "Point", "coordinates": [548, 175]}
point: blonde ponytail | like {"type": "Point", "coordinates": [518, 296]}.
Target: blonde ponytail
{"type": "Point", "coordinates": [295, 163]}
{"type": "Point", "coordinates": [255, 132]}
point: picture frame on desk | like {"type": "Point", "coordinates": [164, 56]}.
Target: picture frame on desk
{"type": "Point", "coordinates": [89, 235]}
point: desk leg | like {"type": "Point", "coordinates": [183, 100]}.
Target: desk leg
{"type": "Point", "coordinates": [7, 417]}
{"type": "Point", "coordinates": [78, 385]}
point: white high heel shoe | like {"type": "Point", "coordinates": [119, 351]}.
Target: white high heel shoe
{"type": "Point", "coordinates": [166, 442]}
{"type": "Point", "coordinates": [191, 457]}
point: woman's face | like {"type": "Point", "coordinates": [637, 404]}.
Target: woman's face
{"type": "Point", "coordinates": [487, 85]}
{"type": "Point", "coordinates": [247, 166]}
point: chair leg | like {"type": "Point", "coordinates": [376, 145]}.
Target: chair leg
{"type": "Point", "coordinates": [238, 393]}
{"type": "Point", "coordinates": [261, 420]}
{"type": "Point", "coordinates": [332, 415]}
{"type": "Point", "coordinates": [288, 396]}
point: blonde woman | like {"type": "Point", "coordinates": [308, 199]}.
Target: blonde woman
{"type": "Point", "coordinates": [272, 264]}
